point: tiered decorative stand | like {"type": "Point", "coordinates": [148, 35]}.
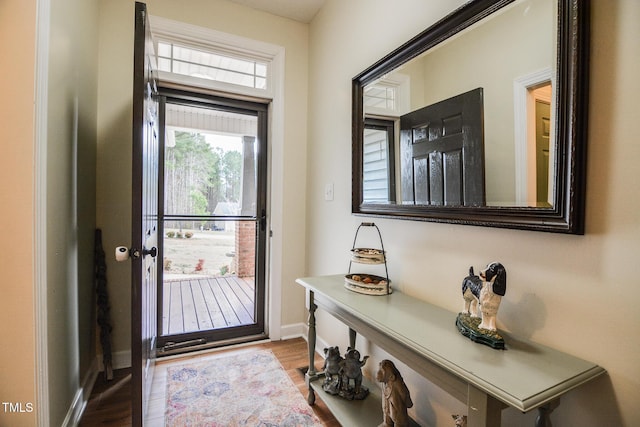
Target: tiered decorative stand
{"type": "Point", "coordinates": [368, 284]}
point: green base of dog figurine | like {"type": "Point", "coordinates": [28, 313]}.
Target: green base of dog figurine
{"type": "Point", "coordinates": [468, 326]}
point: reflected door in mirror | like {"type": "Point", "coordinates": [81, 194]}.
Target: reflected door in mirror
{"type": "Point", "coordinates": [442, 153]}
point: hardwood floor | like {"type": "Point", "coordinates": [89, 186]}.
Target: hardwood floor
{"type": "Point", "coordinates": [114, 410]}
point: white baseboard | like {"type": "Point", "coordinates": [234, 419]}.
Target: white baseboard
{"type": "Point", "coordinates": [122, 359]}
{"type": "Point", "coordinates": [294, 330]}
{"type": "Point", "coordinates": [81, 397]}
{"type": "Point", "coordinates": [119, 360]}
{"type": "Point", "coordinates": [320, 343]}
{"type": "Point", "coordinates": [302, 330]}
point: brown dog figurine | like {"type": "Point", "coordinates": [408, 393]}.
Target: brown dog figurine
{"type": "Point", "coordinates": [395, 395]}
{"type": "Point", "coordinates": [461, 420]}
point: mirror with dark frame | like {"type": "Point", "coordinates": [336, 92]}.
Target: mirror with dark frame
{"type": "Point", "coordinates": [479, 120]}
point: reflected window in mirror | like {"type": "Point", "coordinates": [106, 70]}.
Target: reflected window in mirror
{"type": "Point", "coordinates": [388, 96]}
{"type": "Point", "coordinates": [378, 161]}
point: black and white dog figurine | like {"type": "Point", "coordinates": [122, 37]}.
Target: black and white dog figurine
{"type": "Point", "coordinates": [482, 294]}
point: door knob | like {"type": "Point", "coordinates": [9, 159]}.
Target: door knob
{"type": "Point", "coordinates": [135, 253]}
{"type": "Point", "coordinates": [122, 253]}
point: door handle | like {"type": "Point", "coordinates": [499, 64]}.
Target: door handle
{"type": "Point", "coordinates": [153, 252]}
{"type": "Point", "coordinates": [122, 253]}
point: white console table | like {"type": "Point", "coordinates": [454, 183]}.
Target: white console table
{"type": "Point", "coordinates": [525, 375]}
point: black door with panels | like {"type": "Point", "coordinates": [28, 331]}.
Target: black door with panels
{"type": "Point", "coordinates": [442, 150]}
{"type": "Point", "coordinates": [144, 217]}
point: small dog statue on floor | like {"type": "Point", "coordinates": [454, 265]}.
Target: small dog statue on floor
{"type": "Point", "coordinates": [483, 294]}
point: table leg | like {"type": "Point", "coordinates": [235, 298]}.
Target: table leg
{"type": "Point", "coordinates": [311, 338]}
{"type": "Point", "coordinates": [544, 413]}
{"type": "Point", "coordinates": [352, 338]}
{"type": "Point", "coordinates": [483, 410]}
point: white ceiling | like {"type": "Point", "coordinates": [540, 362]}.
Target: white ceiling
{"type": "Point", "coordinates": [298, 10]}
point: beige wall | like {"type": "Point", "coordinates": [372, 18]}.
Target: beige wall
{"type": "Point", "coordinates": [69, 145]}
{"type": "Point", "coordinates": [114, 142]}
{"type": "Point", "coordinates": [71, 164]}
{"type": "Point", "coordinates": [17, 354]}
{"type": "Point", "coordinates": [573, 293]}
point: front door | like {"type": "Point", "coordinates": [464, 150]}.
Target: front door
{"type": "Point", "coordinates": [442, 149]}
{"type": "Point", "coordinates": [144, 236]}
{"type": "Point", "coordinates": [213, 220]}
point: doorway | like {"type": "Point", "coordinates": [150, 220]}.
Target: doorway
{"type": "Point", "coordinates": [213, 168]}
{"type": "Point", "coordinates": [534, 127]}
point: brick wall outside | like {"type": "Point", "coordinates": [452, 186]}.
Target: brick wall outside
{"type": "Point", "coordinates": [244, 263]}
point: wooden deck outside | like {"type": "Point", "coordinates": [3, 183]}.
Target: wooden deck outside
{"type": "Point", "coordinates": [205, 303]}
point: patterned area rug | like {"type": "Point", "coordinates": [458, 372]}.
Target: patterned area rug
{"type": "Point", "coordinates": [244, 389]}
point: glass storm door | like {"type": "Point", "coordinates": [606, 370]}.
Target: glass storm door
{"type": "Point", "coordinates": [213, 221]}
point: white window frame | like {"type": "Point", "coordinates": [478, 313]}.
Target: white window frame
{"type": "Point", "coordinates": [400, 85]}
{"type": "Point", "coordinates": [208, 40]}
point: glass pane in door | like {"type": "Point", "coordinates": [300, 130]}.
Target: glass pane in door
{"type": "Point", "coordinates": [210, 169]}
{"type": "Point", "coordinates": [208, 276]}
{"type": "Point", "coordinates": [210, 220]}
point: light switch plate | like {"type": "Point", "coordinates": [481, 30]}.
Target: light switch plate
{"type": "Point", "coordinates": [328, 191]}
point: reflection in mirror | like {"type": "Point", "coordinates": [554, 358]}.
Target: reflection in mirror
{"type": "Point", "coordinates": [511, 70]}
{"type": "Point", "coordinates": [378, 164]}
{"type": "Point", "coordinates": [508, 79]}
